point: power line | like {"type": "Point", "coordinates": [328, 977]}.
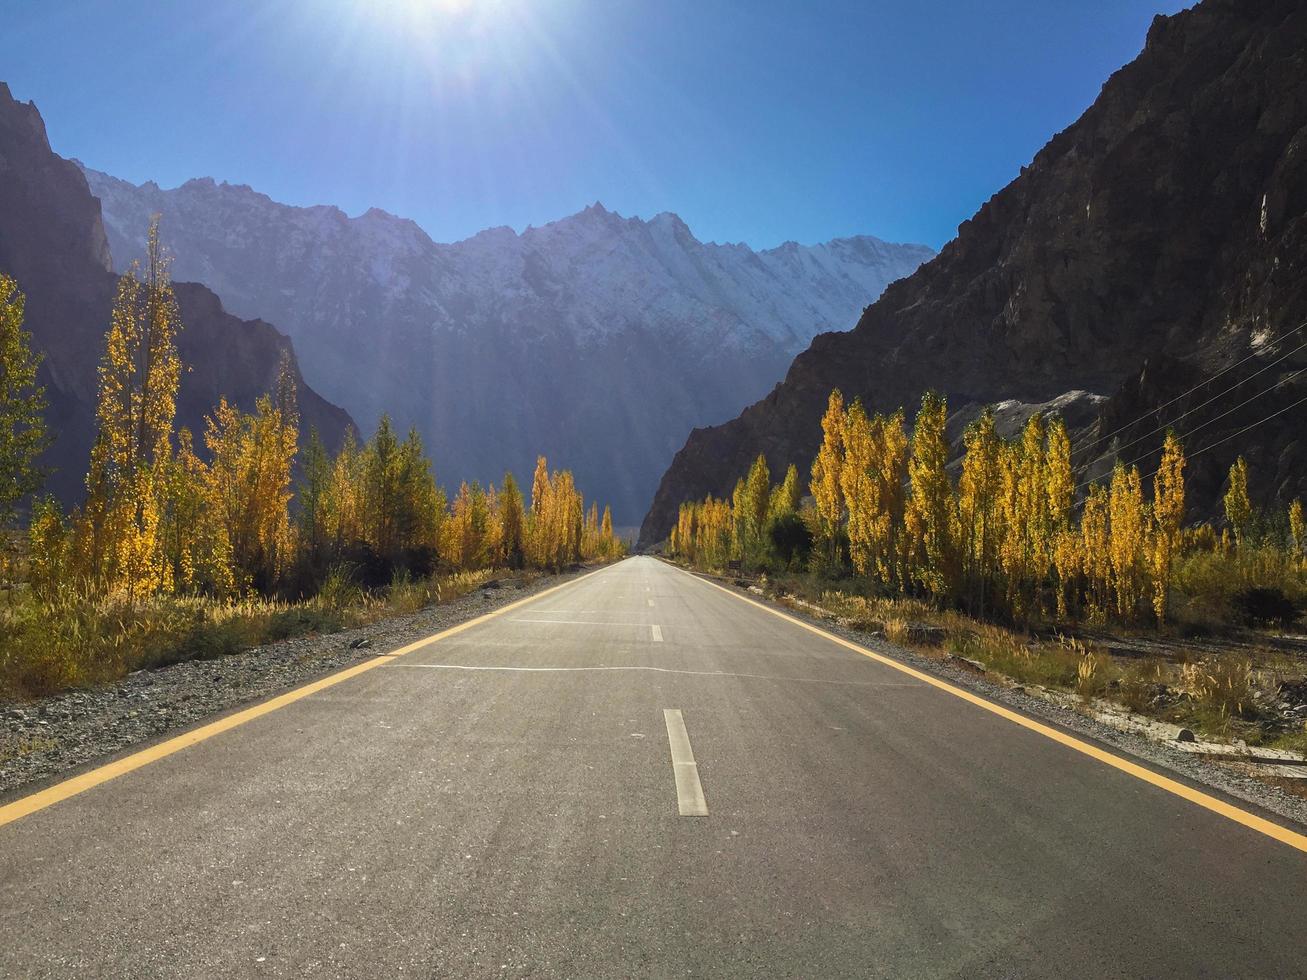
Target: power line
{"type": "Point", "coordinates": [1214, 418]}
{"type": "Point", "coordinates": [1216, 397]}
{"type": "Point", "coordinates": [1236, 434]}
{"type": "Point", "coordinates": [1184, 394]}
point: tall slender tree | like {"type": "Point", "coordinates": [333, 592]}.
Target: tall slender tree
{"type": "Point", "coordinates": [22, 401]}
{"type": "Point", "coordinates": [826, 485]}
{"type": "Point", "coordinates": [137, 405]}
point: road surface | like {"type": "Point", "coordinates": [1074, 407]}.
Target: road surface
{"type": "Point", "coordinates": [639, 774]}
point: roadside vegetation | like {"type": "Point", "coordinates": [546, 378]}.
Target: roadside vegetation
{"type": "Point", "coordinates": [184, 550]}
{"type": "Point", "coordinates": [1102, 591]}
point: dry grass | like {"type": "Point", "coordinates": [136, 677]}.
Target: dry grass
{"type": "Point", "coordinates": [1206, 685]}
{"type": "Point", "coordinates": [1221, 685]}
{"type": "Point", "coordinates": [72, 642]}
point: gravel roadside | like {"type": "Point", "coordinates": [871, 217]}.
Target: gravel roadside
{"type": "Point", "coordinates": [45, 739]}
{"type": "Point", "coordinates": [1157, 755]}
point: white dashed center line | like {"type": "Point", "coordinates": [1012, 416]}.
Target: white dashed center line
{"type": "Point", "coordinates": [689, 791]}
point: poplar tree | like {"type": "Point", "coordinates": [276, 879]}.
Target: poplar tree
{"type": "Point", "coordinates": [22, 426]}
{"type": "Point", "coordinates": [932, 498]}
{"type": "Point", "coordinates": [1096, 551]}
{"type": "Point", "coordinates": [1126, 536]}
{"type": "Point", "coordinates": [979, 506]}
{"type": "Point", "coordinates": [314, 498]}
{"type": "Point", "coordinates": [1168, 519]}
{"type": "Point", "coordinates": [752, 513]}
{"type": "Point", "coordinates": [606, 532]}
{"type": "Point", "coordinates": [890, 459]}
{"type": "Point", "coordinates": [139, 376]}
{"type": "Point", "coordinates": [785, 498]}
{"type": "Point", "coordinates": [512, 524]}
{"type": "Point", "coordinates": [857, 488]}
{"type": "Point", "coordinates": [1297, 530]}
{"type": "Point", "coordinates": [825, 485]}
{"type": "Point", "coordinates": [1238, 506]}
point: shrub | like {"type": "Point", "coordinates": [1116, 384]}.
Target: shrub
{"type": "Point", "coordinates": [1263, 606]}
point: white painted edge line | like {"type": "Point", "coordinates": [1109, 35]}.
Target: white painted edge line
{"type": "Point", "coordinates": [689, 791]}
{"type": "Point", "coordinates": [657, 632]}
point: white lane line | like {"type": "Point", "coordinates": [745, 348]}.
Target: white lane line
{"type": "Point", "coordinates": [657, 632]}
{"type": "Point", "coordinates": [689, 791]}
{"type": "Point", "coordinates": [650, 602]}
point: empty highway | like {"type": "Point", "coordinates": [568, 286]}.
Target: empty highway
{"type": "Point", "coordinates": [637, 774]}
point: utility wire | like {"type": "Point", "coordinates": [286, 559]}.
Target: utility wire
{"type": "Point", "coordinates": [1215, 418]}
{"type": "Point", "coordinates": [1236, 434]}
{"type": "Point", "coordinates": [1219, 395]}
{"type": "Point", "coordinates": [1184, 394]}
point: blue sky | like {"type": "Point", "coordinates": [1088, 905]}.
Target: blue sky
{"type": "Point", "coordinates": [756, 121]}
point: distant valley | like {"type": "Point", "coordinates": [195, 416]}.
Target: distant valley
{"type": "Point", "coordinates": [597, 339]}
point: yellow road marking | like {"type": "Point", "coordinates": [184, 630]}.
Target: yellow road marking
{"type": "Point", "coordinates": [1204, 800]}
{"type": "Point", "coordinates": [79, 784]}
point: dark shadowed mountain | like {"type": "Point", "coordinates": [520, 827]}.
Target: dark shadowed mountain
{"type": "Point", "coordinates": [1159, 240]}
{"type": "Point", "coordinates": [598, 340]}
{"type": "Point", "coordinates": [53, 242]}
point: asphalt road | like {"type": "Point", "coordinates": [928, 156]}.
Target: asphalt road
{"type": "Point", "coordinates": [523, 817]}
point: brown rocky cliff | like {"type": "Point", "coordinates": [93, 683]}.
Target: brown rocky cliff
{"type": "Point", "coordinates": [53, 243]}
{"type": "Point", "coordinates": [1168, 224]}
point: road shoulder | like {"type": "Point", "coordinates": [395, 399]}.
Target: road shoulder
{"type": "Point", "coordinates": [48, 740]}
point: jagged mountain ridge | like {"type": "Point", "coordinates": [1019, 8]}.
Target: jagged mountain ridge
{"type": "Point", "coordinates": [598, 340]}
{"type": "Point", "coordinates": [1159, 240]}
{"type": "Point", "coordinates": [53, 243]}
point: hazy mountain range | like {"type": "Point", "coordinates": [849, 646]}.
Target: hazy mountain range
{"type": "Point", "coordinates": [598, 340]}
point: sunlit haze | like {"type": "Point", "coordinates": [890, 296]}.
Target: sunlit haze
{"type": "Point", "coordinates": [757, 122]}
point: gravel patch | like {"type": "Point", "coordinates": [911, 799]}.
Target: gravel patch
{"type": "Point", "coordinates": [50, 737]}
{"type": "Point", "coordinates": [1226, 779]}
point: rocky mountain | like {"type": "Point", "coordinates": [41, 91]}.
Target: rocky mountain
{"type": "Point", "coordinates": [1148, 268]}
{"type": "Point", "coordinates": [598, 340]}
{"type": "Point", "coordinates": [53, 243]}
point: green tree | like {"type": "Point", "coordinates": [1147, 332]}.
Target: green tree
{"type": "Point", "coordinates": [1238, 506]}
{"type": "Point", "coordinates": [512, 524]}
{"type": "Point", "coordinates": [22, 400]}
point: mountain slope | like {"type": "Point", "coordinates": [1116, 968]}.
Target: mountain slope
{"type": "Point", "coordinates": [598, 340]}
{"type": "Point", "coordinates": [52, 241]}
{"type": "Point", "coordinates": [1160, 239]}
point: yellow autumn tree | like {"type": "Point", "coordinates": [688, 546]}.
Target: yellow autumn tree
{"type": "Point", "coordinates": [931, 517]}
{"type": "Point", "coordinates": [1168, 521]}
{"type": "Point", "coordinates": [1126, 536]}
{"type": "Point", "coordinates": [826, 482]}
{"type": "Point", "coordinates": [856, 488]}
{"type": "Point", "coordinates": [751, 508]}
{"type": "Point", "coordinates": [608, 542]}
{"type": "Point", "coordinates": [1297, 530]}
{"type": "Point", "coordinates": [139, 375]}
{"type": "Point", "coordinates": [249, 488]}
{"type": "Point", "coordinates": [979, 508]}
{"type": "Point", "coordinates": [1096, 549]}
{"type": "Point", "coordinates": [1063, 547]}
